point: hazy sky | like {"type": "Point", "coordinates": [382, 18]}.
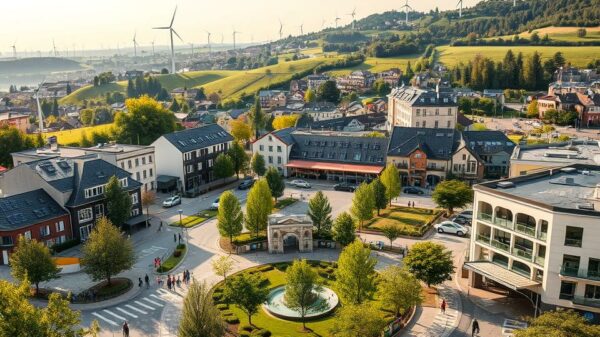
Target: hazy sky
{"type": "Point", "coordinates": [93, 24]}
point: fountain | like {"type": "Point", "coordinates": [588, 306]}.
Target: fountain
{"type": "Point", "coordinates": [325, 302]}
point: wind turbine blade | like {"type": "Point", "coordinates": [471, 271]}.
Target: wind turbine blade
{"type": "Point", "coordinates": [174, 32]}
{"type": "Point", "coordinates": [458, 3]}
{"type": "Point", "coordinates": [173, 19]}
{"type": "Point", "coordinates": [161, 28]}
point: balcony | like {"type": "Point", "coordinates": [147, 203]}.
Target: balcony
{"type": "Point", "coordinates": [525, 229]}
{"type": "Point", "coordinates": [539, 260]}
{"type": "Point", "coordinates": [484, 217]}
{"type": "Point", "coordinates": [543, 236]}
{"type": "Point", "coordinates": [593, 275]}
{"type": "Point", "coordinates": [501, 245]}
{"type": "Point", "coordinates": [483, 238]}
{"type": "Point", "coordinates": [588, 302]}
{"type": "Point", "coordinates": [436, 168]}
{"type": "Point", "coordinates": [526, 254]}
{"type": "Point", "coordinates": [503, 222]}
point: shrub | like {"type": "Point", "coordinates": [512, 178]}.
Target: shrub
{"type": "Point", "coordinates": [266, 268]}
{"type": "Point", "coordinates": [181, 246]}
{"type": "Point", "coordinates": [227, 313]}
{"type": "Point", "coordinates": [245, 327]}
{"type": "Point", "coordinates": [232, 320]}
{"type": "Point", "coordinates": [222, 306]}
{"type": "Point", "coordinates": [281, 266]}
{"type": "Point", "coordinates": [244, 334]}
{"type": "Point", "coordinates": [261, 333]}
{"type": "Point", "coordinates": [217, 296]}
{"type": "Point", "coordinates": [177, 253]}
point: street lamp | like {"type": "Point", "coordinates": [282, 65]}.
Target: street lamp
{"type": "Point", "coordinates": [180, 211]}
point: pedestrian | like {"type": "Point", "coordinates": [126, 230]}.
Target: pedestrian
{"type": "Point", "coordinates": [140, 282]}
{"type": "Point", "coordinates": [174, 237]}
{"type": "Point", "coordinates": [179, 237]}
{"type": "Point", "coordinates": [408, 203]}
{"type": "Point", "coordinates": [147, 279]}
{"type": "Point", "coordinates": [443, 306]}
{"type": "Point", "coordinates": [475, 330]}
{"type": "Point", "coordinates": [125, 329]}
{"type": "Point", "coordinates": [158, 281]}
{"type": "Point", "coordinates": [169, 283]}
{"type": "Point", "coordinates": [178, 282]}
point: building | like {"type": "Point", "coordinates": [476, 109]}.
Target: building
{"type": "Point", "coordinates": [34, 215]}
{"type": "Point", "coordinates": [15, 119]}
{"type": "Point", "coordinates": [546, 103]}
{"type": "Point", "coordinates": [76, 184]}
{"type": "Point", "coordinates": [315, 81]}
{"type": "Point", "coordinates": [492, 149]}
{"type": "Point", "coordinates": [275, 147]}
{"type": "Point", "coordinates": [337, 156]}
{"type": "Point", "coordinates": [421, 108]}
{"type": "Point", "coordinates": [323, 112]}
{"type": "Point", "coordinates": [532, 158]}
{"type": "Point", "coordinates": [357, 81]}
{"type": "Point", "coordinates": [391, 77]}
{"type": "Point", "coordinates": [495, 94]}
{"type": "Point", "coordinates": [537, 235]}
{"type": "Point", "coordinates": [289, 232]}
{"type": "Point", "coordinates": [589, 111]}
{"type": "Point", "coordinates": [298, 86]}
{"type": "Point", "coordinates": [189, 156]}
{"type": "Point", "coordinates": [364, 122]}
{"type": "Point", "coordinates": [270, 99]}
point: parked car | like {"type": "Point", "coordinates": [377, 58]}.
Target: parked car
{"type": "Point", "coordinates": [246, 184]}
{"type": "Point", "coordinates": [451, 227]}
{"type": "Point", "coordinates": [172, 201]}
{"type": "Point", "coordinates": [467, 213]}
{"type": "Point", "coordinates": [300, 183]}
{"type": "Point", "coordinates": [215, 204]}
{"type": "Point", "coordinates": [347, 187]}
{"type": "Point", "coordinates": [459, 219]}
{"type": "Point", "coordinates": [413, 190]}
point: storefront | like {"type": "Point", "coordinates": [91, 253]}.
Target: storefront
{"type": "Point", "coordinates": [352, 173]}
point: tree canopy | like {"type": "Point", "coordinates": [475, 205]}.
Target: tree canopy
{"type": "Point", "coordinates": [399, 289]}
{"type": "Point", "coordinates": [275, 181]}
{"type": "Point", "coordinates": [224, 166]}
{"type": "Point", "coordinates": [355, 275]}
{"type": "Point", "coordinates": [247, 292]}
{"type": "Point", "coordinates": [379, 195]}
{"type": "Point", "coordinates": [240, 130]}
{"type": "Point", "coordinates": [32, 261]}
{"type": "Point", "coordinates": [301, 282]}
{"type": "Point", "coordinates": [238, 157]}
{"type": "Point", "coordinates": [390, 179]}
{"type": "Point", "coordinates": [430, 262]}
{"type": "Point", "coordinates": [343, 229]}
{"type": "Point", "coordinates": [363, 203]}
{"type": "Point", "coordinates": [257, 118]}
{"type": "Point", "coordinates": [229, 215]}
{"type": "Point", "coordinates": [559, 323]}
{"type": "Point", "coordinates": [259, 205]}
{"type": "Point", "coordinates": [286, 121]}
{"type": "Point", "coordinates": [145, 121]}
{"type": "Point", "coordinates": [199, 316]}
{"type": "Point", "coordinates": [258, 164]}
{"type": "Point", "coordinates": [319, 211]}
{"type": "Point", "coordinates": [363, 320]}
{"type": "Point", "coordinates": [118, 202]}
{"type": "Point", "coordinates": [450, 194]}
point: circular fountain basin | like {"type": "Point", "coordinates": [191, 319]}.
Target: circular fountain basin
{"type": "Point", "coordinates": [326, 302]}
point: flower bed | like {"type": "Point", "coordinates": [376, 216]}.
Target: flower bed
{"type": "Point", "coordinates": [173, 260]}
{"type": "Point", "coordinates": [193, 220]}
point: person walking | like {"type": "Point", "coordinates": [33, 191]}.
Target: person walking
{"type": "Point", "coordinates": [125, 329]}
{"type": "Point", "coordinates": [168, 283]}
{"type": "Point", "coordinates": [174, 237]}
{"type": "Point", "coordinates": [475, 330]}
{"type": "Point", "coordinates": [147, 279]}
{"type": "Point", "coordinates": [140, 282]}
{"type": "Point", "coordinates": [179, 237]}
{"type": "Point", "coordinates": [443, 306]}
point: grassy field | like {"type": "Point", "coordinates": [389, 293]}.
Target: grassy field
{"type": "Point", "coordinates": [578, 56]}
{"type": "Point", "coordinates": [379, 64]}
{"type": "Point", "coordinates": [72, 136]}
{"type": "Point", "coordinates": [408, 219]}
{"type": "Point", "coordinates": [560, 34]}
{"type": "Point", "coordinates": [169, 82]}
{"type": "Point", "coordinates": [193, 220]}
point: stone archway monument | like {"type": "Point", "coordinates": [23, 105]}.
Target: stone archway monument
{"type": "Point", "coordinates": [282, 226]}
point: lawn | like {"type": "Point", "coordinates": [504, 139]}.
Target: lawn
{"type": "Point", "coordinates": [73, 136]}
{"type": "Point", "coordinates": [560, 34]}
{"type": "Point", "coordinates": [274, 275]}
{"type": "Point", "coordinates": [283, 203]}
{"type": "Point", "coordinates": [193, 220]}
{"type": "Point", "coordinates": [577, 56]}
{"type": "Point", "coordinates": [173, 260]}
{"type": "Point", "coordinates": [379, 64]}
{"type": "Point", "coordinates": [515, 138]}
{"type": "Point", "coordinates": [411, 220]}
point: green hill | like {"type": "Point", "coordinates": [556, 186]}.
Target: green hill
{"type": "Point", "coordinates": [35, 65]}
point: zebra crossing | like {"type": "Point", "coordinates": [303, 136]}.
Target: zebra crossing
{"type": "Point", "coordinates": [445, 323]}
{"type": "Point", "coordinates": [136, 309]}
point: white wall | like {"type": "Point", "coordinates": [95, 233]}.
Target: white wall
{"type": "Point", "coordinates": [168, 159]}
{"type": "Point", "coordinates": [271, 140]}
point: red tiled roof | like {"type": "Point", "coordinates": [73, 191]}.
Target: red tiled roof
{"type": "Point", "coordinates": [315, 165]}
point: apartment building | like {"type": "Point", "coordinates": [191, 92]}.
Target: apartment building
{"type": "Point", "coordinates": [422, 108]}
{"type": "Point", "coordinates": [538, 235]}
{"type": "Point", "coordinates": [275, 147]}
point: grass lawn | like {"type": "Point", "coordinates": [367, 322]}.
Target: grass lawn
{"type": "Point", "coordinates": [515, 138]}
{"type": "Point", "coordinates": [283, 203]}
{"type": "Point", "coordinates": [72, 136]}
{"type": "Point", "coordinates": [410, 220]}
{"type": "Point", "coordinates": [577, 56]}
{"type": "Point", "coordinates": [275, 276]}
{"type": "Point", "coordinates": [379, 64]}
{"type": "Point", "coordinates": [173, 260]}
{"type": "Point", "coordinates": [193, 220]}
{"type": "Point", "coordinates": [560, 34]}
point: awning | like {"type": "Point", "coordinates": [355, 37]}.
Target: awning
{"type": "Point", "coordinates": [137, 220]}
{"type": "Point", "coordinates": [501, 275]}
{"type": "Point", "coordinates": [315, 165]}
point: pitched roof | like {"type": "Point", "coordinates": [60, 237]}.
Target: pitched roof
{"type": "Point", "coordinates": [197, 138]}
{"type": "Point", "coordinates": [488, 142]}
{"type": "Point", "coordinates": [420, 97]}
{"type": "Point", "coordinates": [26, 209]}
{"type": "Point", "coordinates": [285, 135]}
{"type": "Point", "coordinates": [369, 120]}
{"type": "Point", "coordinates": [436, 143]}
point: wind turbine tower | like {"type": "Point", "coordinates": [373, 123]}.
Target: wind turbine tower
{"type": "Point", "coordinates": [406, 8]}
{"type": "Point", "coordinates": [460, 3]}
{"type": "Point", "coordinates": [192, 45]}
{"type": "Point", "coordinates": [301, 29]}
{"type": "Point", "coordinates": [171, 32]}
{"type": "Point", "coordinates": [280, 30]}
{"type": "Point", "coordinates": [54, 48]}
{"type": "Point", "coordinates": [337, 18]}
{"type": "Point", "coordinates": [234, 34]}
{"type": "Point", "coordinates": [135, 44]}
{"type": "Point", "coordinates": [208, 40]}
{"type": "Point", "coordinates": [14, 48]}
{"type": "Point", "coordinates": [353, 15]}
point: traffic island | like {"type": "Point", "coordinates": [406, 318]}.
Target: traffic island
{"type": "Point", "coordinates": [173, 260]}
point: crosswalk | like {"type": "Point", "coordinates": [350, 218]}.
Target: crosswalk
{"type": "Point", "coordinates": [444, 323]}
{"type": "Point", "coordinates": [510, 325]}
{"type": "Point", "coordinates": [152, 302]}
{"type": "Point", "coordinates": [149, 251]}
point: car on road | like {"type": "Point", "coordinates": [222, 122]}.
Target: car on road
{"type": "Point", "coordinates": [215, 204]}
{"type": "Point", "coordinates": [172, 201]}
{"type": "Point", "coordinates": [451, 227]}
{"type": "Point", "coordinates": [300, 183]}
{"type": "Point", "coordinates": [246, 184]}
{"type": "Point", "coordinates": [413, 190]}
{"type": "Point", "coordinates": [346, 187]}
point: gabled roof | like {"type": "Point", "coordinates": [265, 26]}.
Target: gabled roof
{"type": "Point", "coordinates": [488, 142]}
{"type": "Point", "coordinates": [369, 120]}
{"type": "Point", "coordinates": [26, 209]}
{"type": "Point", "coordinates": [436, 143]}
{"type": "Point", "coordinates": [285, 135]}
{"type": "Point", "coordinates": [420, 97]}
{"type": "Point", "coordinates": [197, 138]}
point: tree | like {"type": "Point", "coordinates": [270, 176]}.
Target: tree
{"type": "Point", "coordinates": [12, 140]}
{"type": "Point", "coordinates": [257, 118]}
{"type": "Point", "coordinates": [391, 232]}
{"type": "Point", "coordinates": [381, 87]}
{"type": "Point", "coordinates": [379, 196]}
{"type": "Point", "coordinates": [241, 131]}
{"type": "Point", "coordinates": [258, 164]}
{"type": "Point", "coordinates": [581, 32]}
{"type": "Point", "coordinates": [559, 323]}
{"type": "Point", "coordinates": [300, 287]}
{"type": "Point", "coordinates": [363, 203]}
{"type": "Point", "coordinates": [238, 157]}
{"type": "Point", "coordinates": [399, 289]}
{"type": "Point", "coordinates": [69, 89]}
{"type": "Point", "coordinates": [355, 275]}
{"type": "Point", "coordinates": [229, 215]}
{"type": "Point", "coordinates": [259, 205]}
{"type": "Point", "coordinates": [145, 121]}
{"type": "Point", "coordinates": [275, 181]}
{"type": "Point", "coordinates": [343, 229]}
{"type": "Point", "coordinates": [429, 262]}
{"type": "Point", "coordinates": [532, 109]}
{"type": "Point", "coordinates": [164, 71]}
{"type": "Point", "coordinates": [363, 320]}
{"type": "Point", "coordinates": [319, 211]}
{"type": "Point", "coordinates": [86, 116]}
{"type": "Point", "coordinates": [199, 316]}
{"type": "Point", "coordinates": [175, 107]}
{"type": "Point", "coordinates": [107, 252]}
{"type": "Point", "coordinates": [247, 292]}
{"type": "Point", "coordinates": [33, 262]}
{"type": "Point", "coordinates": [287, 121]}
{"type": "Point", "coordinates": [328, 91]}
{"type": "Point", "coordinates": [450, 194]}
{"type": "Point", "coordinates": [118, 202]}
{"type": "Point", "coordinates": [222, 266]}
{"type": "Point", "coordinates": [55, 108]}
{"type": "Point", "coordinates": [390, 178]}
{"type": "Point", "coordinates": [309, 96]}
{"type": "Point", "coordinates": [148, 198]}
{"type": "Point", "coordinates": [223, 166]}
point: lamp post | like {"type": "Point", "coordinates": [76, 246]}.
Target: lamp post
{"type": "Point", "coordinates": [180, 211]}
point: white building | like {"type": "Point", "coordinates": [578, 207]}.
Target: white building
{"type": "Point", "coordinates": [421, 108]}
{"type": "Point", "coordinates": [275, 147]}
{"type": "Point", "coordinates": [538, 234]}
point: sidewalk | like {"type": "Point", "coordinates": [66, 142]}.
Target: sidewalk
{"type": "Point", "coordinates": [431, 322]}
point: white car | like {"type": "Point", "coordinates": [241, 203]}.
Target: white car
{"type": "Point", "coordinates": [172, 201]}
{"type": "Point", "coordinates": [300, 183]}
{"type": "Point", "coordinates": [215, 204]}
{"type": "Point", "coordinates": [451, 227]}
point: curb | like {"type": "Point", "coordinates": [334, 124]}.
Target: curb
{"type": "Point", "coordinates": [131, 294]}
{"type": "Point", "coordinates": [177, 265]}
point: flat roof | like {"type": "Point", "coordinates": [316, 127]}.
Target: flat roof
{"type": "Point", "coordinates": [117, 148]}
{"type": "Point", "coordinates": [582, 152]}
{"type": "Point", "coordinates": [501, 275]}
{"type": "Point", "coordinates": [315, 165]}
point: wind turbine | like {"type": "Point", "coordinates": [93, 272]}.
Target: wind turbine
{"type": "Point", "coordinates": [301, 29]}
{"type": "Point", "coordinates": [135, 44]}
{"type": "Point", "coordinates": [234, 34]}
{"type": "Point", "coordinates": [192, 45]}
{"type": "Point", "coordinates": [208, 40]}
{"type": "Point", "coordinates": [337, 18]}
{"type": "Point", "coordinates": [460, 3]}
{"type": "Point", "coordinates": [353, 15]}
{"type": "Point", "coordinates": [323, 23]}
{"type": "Point", "coordinates": [14, 48]}
{"type": "Point", "coordinates": [514, 3]}
{"type": "Point", "coordinates": [39, 108]}
{"type": "Point", "coordinates": [222, 38]}
{"type": "Point", "coordinates": [171, 32]}
{"type": "Point", "coordinates": [153, 49]}
{"type": "Point", "coordinates": [406, 7]}
{"type": "Point", "coordinates": [280, 30]}
{"type": "Point", "coordinates": [54, 48]}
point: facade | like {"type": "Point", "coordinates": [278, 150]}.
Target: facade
{"type": "Point", "coordinates": [357, 81]}
{"type": "Point", "coordinates": [289, 232]}
{"type": "Point", "coordinates": [189, 156]}
{"type": "Point", "coordinates": [546, 103]}
{"type": "Point", "coordinates": [589, 111]}
{"type": "Point", "coordinates": [34, 215]}
{"type": "Point", "coordinates": [315, 81]}
{"type": "Point", "coordinates": [537, 234]}
{"type": "Point", "coordinates": [492, 148]}
{"type": "Point", "coordinates": [298, 86]}
{"type": "Point", "coordinates": [275, 147]}
{"type": "Point", "coordinates": [270, 99]}
{"type": "Point", "coordinates": [421, 108]}
{"type": "Point", "coordinates": [391, 77]}
{"type": "Point", "coordinates": [349, 123]}
{"type": "Point", "coordinates": [17, 120]}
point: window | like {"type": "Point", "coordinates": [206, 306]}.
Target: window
{"type": "Point", "coordinates": [150, 158]}
{"type": "Point", "coordinates": [278, 159]}
{"type": "Point", "coordinates": [424, 112]}
{"type": "Point", "coordinates": [123, 182]}
{"type": "Point", "coordinates": [135, 212]}
{"type": "Point", "coordinates": [270, 148]}
{"type": "Point", "coordinates": [99, 210]}
{"type": "Point", "coordinates": [449, 124]}
{"type": "Point", "coordinates": [143, 160]}
{"type": "Point", "coordinates": [151, 173]}
{"type": "Point", "coordinates": [189, 168]}
{"type": "Point", "coordinates": [435, 124]}
{"type": "Point", "coordinates": [437, 112]}
{"type": "Point", "coordinates": [570, 265]}
{"type": "Point", "coordinates": [417, 124]}
{"type": "Point", "coordinates": [85, 214]}
{"type": "Point", "coordinates": [418, 112]}
{"type": "Point", "coordinates": [27, 235]}
{"type": "Point", "coordinates": [199, 166]}
{"type": "Point", "coordinates": [464, 157]}
{"type": "Point", "coordinates": [592, 292]}
{"type": "Point", "coordinates": [449, 111]}
{"type": "Point", "coordinates": [270, 138]}
{"type": "Point", "coordinates": [210, 163]}
{"type": "Point", "coordinates": [278, 148]}
{"type": "Point", "coordinates": [137, 176]}
{"type": "Point", "coordinates": [187, 156]}
{"type": "Point", "coordinates": [60, 226]}
{"type": "Point", "coordinates": [567, 290]}
{"type": "Point", "coordinates": [424, 124]}
{"type": "Point", "coordinates": [261, 147]}
{"type": "Point", "coordinates": [144, 174]}
{"type": "Point", "coordinates": [129, 164]}
{"type": "Point", "coordinates": [44, 230]}
{"type": "Point", "coordinates": [574, 236]}
{"type": "Point", "coordinates": [123, 165]}
{"type": "Point", "coordinates": [93, 191]}
{"type": "Point", "coordinates": [594, 268]}
{"type": "Point", "coordinates": [418, 155]}
{"type": "Point", "coordinates": [270, 159]}
{"type": "Point", "coordinates": [137, 162]}
{"type": "Point", "coordinates": [134, 199]}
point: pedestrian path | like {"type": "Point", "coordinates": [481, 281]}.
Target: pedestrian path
{"type": "Point", "coordinates": [445, 323]}
{"type": "Point", "coordinates": [510, 325]}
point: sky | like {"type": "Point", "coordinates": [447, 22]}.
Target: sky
{"type": "Point", "coordinates": [104, 24]}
